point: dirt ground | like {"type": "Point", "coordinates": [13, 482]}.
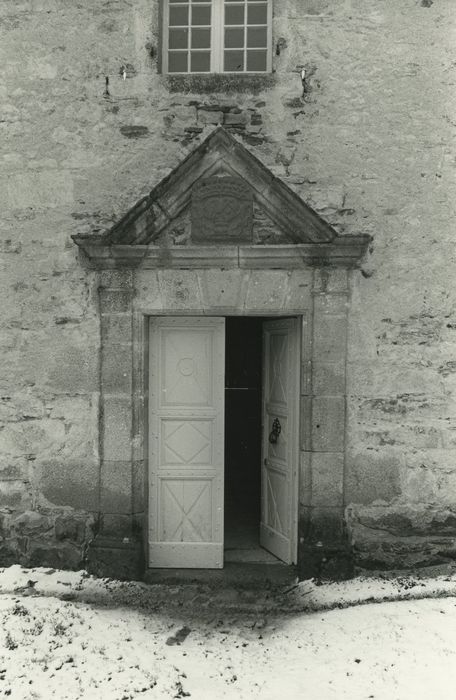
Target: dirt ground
{"type": "Point", "coordinates": [66, 635]}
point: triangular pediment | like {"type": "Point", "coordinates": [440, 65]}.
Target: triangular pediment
{"type": "Point", "coordinates": [221, 179]}
{"type": "Point", "coordinates": [220, 155]}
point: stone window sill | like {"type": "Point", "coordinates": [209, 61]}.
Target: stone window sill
{"type": "Point", "coordinates": [220, 82]}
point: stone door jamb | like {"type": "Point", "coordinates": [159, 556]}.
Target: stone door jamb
{"type": "Point", "coordinates": [127, 299]}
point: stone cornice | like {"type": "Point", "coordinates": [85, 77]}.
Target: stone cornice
{"type": "Point", "coordinates": [344, 251]}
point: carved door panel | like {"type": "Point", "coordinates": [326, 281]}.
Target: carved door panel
{"type": "Point", "coordinates": [187, 367]}
{"type": "Point", "coordinates": [278, 528]}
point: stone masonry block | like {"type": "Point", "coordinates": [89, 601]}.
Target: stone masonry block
{"type": "Point", "coordinates": [223, 290]}
{"type": "Point", "coordinates": [299, 289]}
{"type": "Point", "coordinates": [116, 329]}
{"type": "Point", "coordinates": [306, 378]}
{"type": "Point", "coordinates": [206, 117]}
{"type": "Point", "coordinates": [305, 479]}
{"type": "Point", "coordinates": [115, 300]}
{"type": "Point", "coordinates": [70, 483]}
{"type": "Point", "coordinates": [332, 304]}
{"type": "Point", "coordinates": [71, 368]}
{"type": "Point", "coordinates": [118, 526]}
{"type": "Point", "coordinates": [267, 290]}
{"type": "Point", "coordinates": [116, 369]}
{"type": "Point", "coordinates": [148, 295]}
{"type": "Point", "coordinates": [327, 479]}
{"type": "Point", "coordinates": [328, 378]}
{"type": "Point", "coordinates": [180, 290]}
{"type": "Point", "coordinates": [328, 423]}
{"type": "Point", "coordinates": [306, 423]}
{"type": "Point", "coordinates": [329, 338]}
{"type": "Point", "coordinates": [327, 525]}
{"type": "Point", "coordinates": [117, 428]}
{"type": "Point", "coordinates": [331, 280]}
{"type": "Point", "coordinates": [373, 476]}
{"type": "Point", "coordinates": [139, 476]}
{"type": "Point", "coordinates": [116, 279]}
{"type": "Point", "coordinates": [71, 526]}
{"type": "Point", "coordinates": [116, 492]}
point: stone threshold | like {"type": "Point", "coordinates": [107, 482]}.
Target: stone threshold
{"type": "Point", "coordinates": [234, 575]}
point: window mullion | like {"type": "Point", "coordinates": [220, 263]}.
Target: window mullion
{"type": "Point", "coordinates": [269, 42]}
{"type": "Point", "coordinates": [217, 25]}
{"type": "Point", "coordinates": [165, 30]}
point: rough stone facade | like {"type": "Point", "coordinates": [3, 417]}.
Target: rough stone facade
{"type": "Point", "coordinates": [367, 144]}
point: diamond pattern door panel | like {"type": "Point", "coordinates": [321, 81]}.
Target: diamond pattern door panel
{"type": "Point", "coordinates": [278, 529]}
{"type": "Point", "coordinates": [186, 442]}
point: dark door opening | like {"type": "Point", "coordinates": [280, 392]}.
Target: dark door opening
{"type": "Point", "coordinates": [243, 382]}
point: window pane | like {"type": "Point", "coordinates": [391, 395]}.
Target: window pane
{"type": "Point", "coordinates": [234, 14]}
{"type": "Point", "coordinates": [201, 38]}
{"type": "Point", "coordinates": [234, 61]}
{"type": "Point", "coordinates": [257, 36]}
{"type": "Point", "coordinates": [177, 61]}
{"type": "Point", "coordinates": [234, 38]}
{"type": "Point", "coordinates": [178, 15]}
{"type": "Point", "coordinates": [257, 13]}
{"type": "Point", "coordinates": [256, 60]}
{"type": "Point", "coordinates": [178, 38]}
{"type": "Point", "coordinates": [200, 61]}
{"type": "Point", "coordinates": [201, 15]}
{"type": "Point", "coordinates": [179, 1]}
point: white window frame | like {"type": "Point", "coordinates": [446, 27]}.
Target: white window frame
{"type": "Point", "coordinates": [217, 41]}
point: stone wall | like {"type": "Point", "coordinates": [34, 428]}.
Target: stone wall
{"type": "Point", "coordinates": [367, 144]}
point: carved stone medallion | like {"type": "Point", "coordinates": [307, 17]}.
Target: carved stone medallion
{"type": "Point", "coordinates": [222, 210]}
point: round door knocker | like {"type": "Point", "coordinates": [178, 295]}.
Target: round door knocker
{"type": "Point", "coordinates": [275, 432]}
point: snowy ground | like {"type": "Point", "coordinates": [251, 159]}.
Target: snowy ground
{"type": "Point", "coordinates": [65, 635]}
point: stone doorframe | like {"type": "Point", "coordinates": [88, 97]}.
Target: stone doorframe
{"type": "Point", "coordinates": [222, 268]}
{"type": "Point", "coordinates": [127, 299]}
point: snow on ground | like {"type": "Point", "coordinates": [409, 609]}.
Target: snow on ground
{"type": "Point", "coordinates": [65, 635]}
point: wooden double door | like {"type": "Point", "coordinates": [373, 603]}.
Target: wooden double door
{"type": "Point", "coordinates": [186, 440]}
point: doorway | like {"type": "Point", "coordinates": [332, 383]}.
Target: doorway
{"type": "Point", "coordinates": [243, 400]}
{"type": "Point", "coordinates": [223, 437]}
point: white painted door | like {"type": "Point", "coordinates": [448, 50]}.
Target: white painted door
{"type": "Point", "coordinates": [278, 528]}
{"type": "Point", "coordinates": [186, 443]}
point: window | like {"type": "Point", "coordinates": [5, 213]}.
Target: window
{"type": "Point", "coordinates": [217, 36]}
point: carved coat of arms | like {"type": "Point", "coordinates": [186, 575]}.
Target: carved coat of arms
{"type": "Point", "coordinates": [222, 210]}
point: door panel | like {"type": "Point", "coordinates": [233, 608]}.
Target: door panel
{"type": "Point", "coordinates": [187, 365]}
{"type": "Point", "coordinates": [278, 529]}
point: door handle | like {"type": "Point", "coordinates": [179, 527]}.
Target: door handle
{"type": "Point", "coordinates": [275, 432]}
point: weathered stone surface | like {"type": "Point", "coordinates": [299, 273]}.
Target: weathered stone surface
{"type": "Point", "coordinates": [63, 556]}
{"type": "Point", "coordinates": [116, 558]}
{"type": "Point", "coordinates": [373, 476]}
{"type": "Point", "coordinates": [116, 487]}
{"type": "Point", "coordinates": [66, 168]}
{"type": "Point", "coordinates": [323, 525]}
{"type": "Point", "coordinates": [71, 483]}
{"type": "Point", "coordinates": [327, 479]}
{"type": "Point", "coordinates": [30, 521]}
{"type": "Point", "coordinates": [328, 421]}
{"type": "Point", "coordinates": [116, 377]}
{"type": "Point", "coordinates": [402, 536]}
{"type": "Point", "coordinates": [328, 378]}
{"type": "Point", "coordinates": [116, 525]}
{"type": "Point", "coordinates": [71, 527]}
{"type": "Point", "coordinates": [117, 428]}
